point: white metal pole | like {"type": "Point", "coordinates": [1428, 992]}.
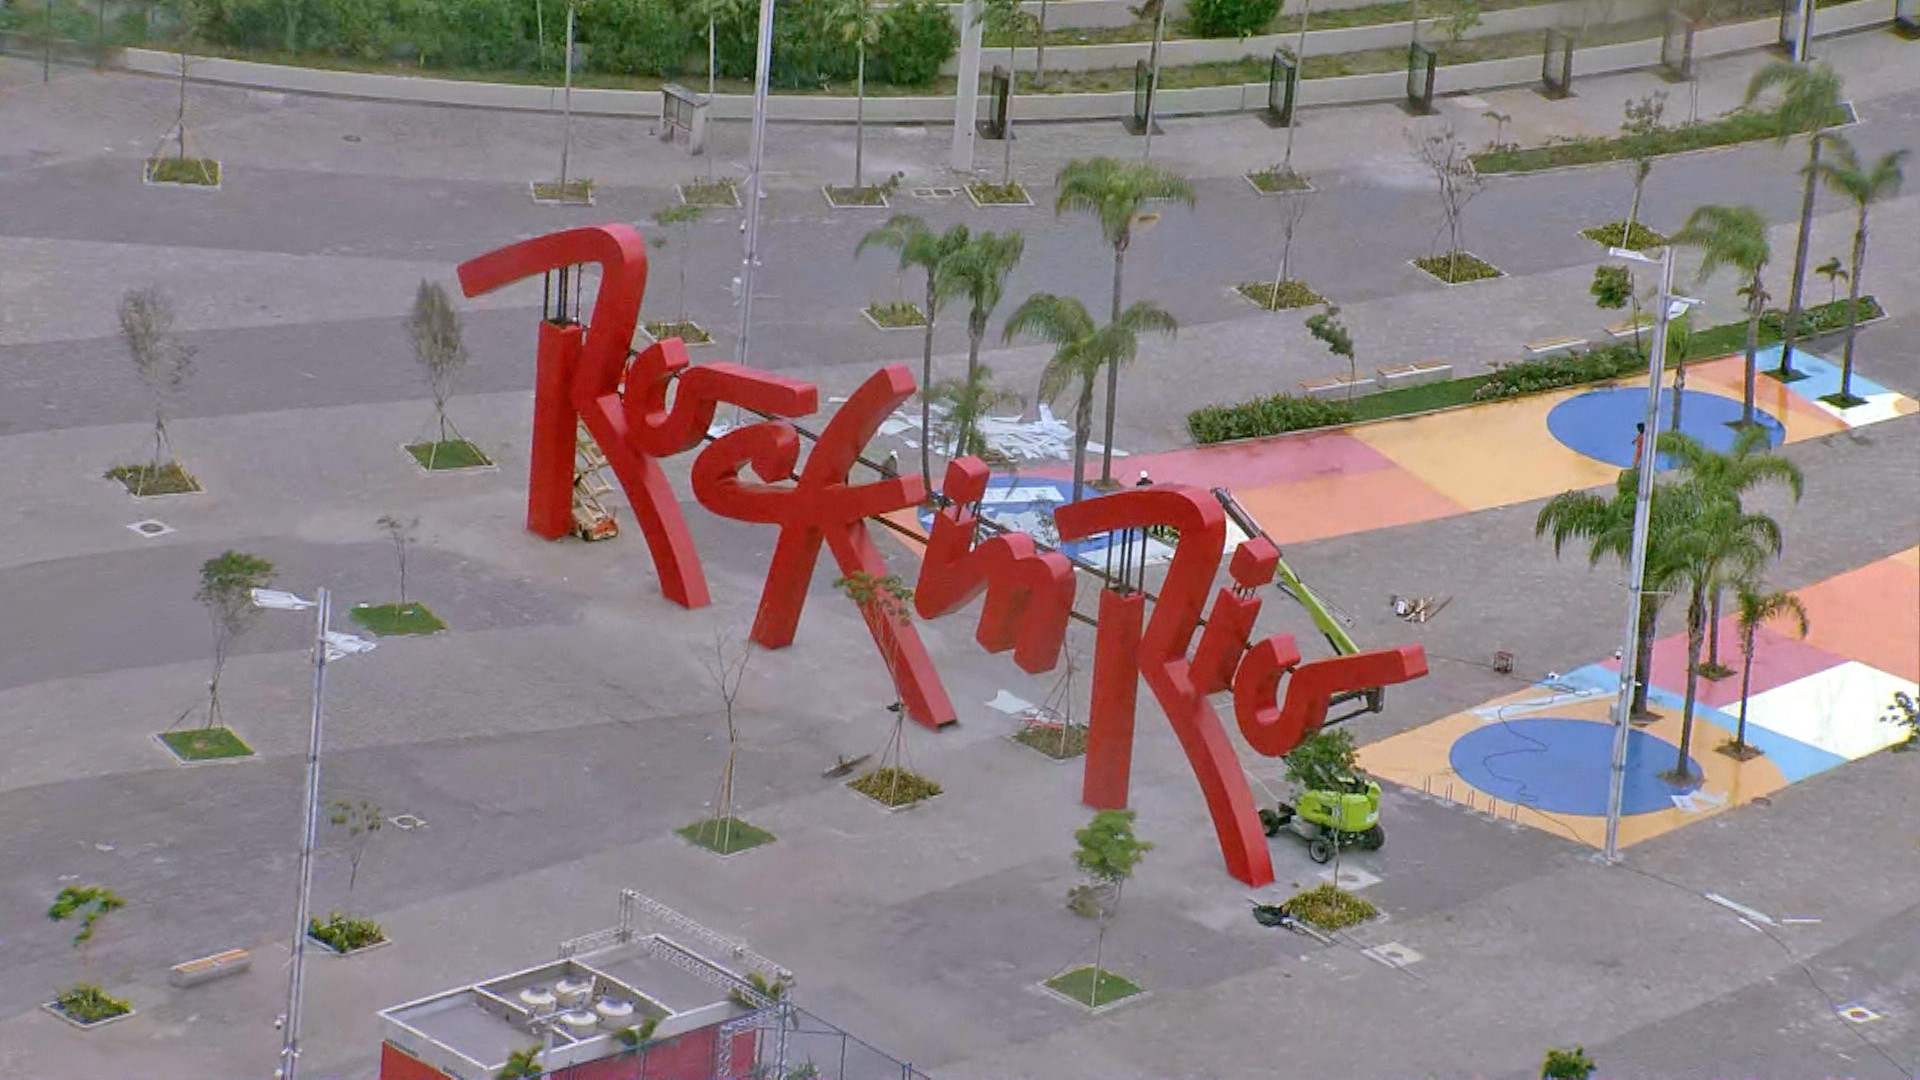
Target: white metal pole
{"type": "Point", "coordinates": [966, 91]}
{"type": "Point", "coordinates": [1637, 570]}
{"type": "Point", "coordinates": [1803, 46]}
{"type": "Point", "coordinates": [566, 137]}
{"type": "Point", "coordinates": [290, 1029]}
{"type": "Point", "coordinates": [762, 65]}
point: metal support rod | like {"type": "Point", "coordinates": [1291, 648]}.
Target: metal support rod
{"type": "Point", "coordinates": [762, 65]}
{"type": "Point", "coordinates": [1153, 84]}
{"type": "Point", "coordinates": [1637, 568]}
{"type": "Point", "coordinates": [290, 1028]}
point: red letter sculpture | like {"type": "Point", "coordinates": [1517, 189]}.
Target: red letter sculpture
{"type": "Point", "coordinates": [1029, 594]}
{"type": "Point", "coordinates": [823, 507]}
{"type": "Point", "coordinates": [579, 377]}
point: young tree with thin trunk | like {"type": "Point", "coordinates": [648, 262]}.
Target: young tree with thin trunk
{"type": "Point", "coordinates": [1756, 610]}
{"type": "Point", "coordinates": [1809, 102]}
{"type": "Point", "coordinates": [979, 272]}
{"type": "Point", "coordinates": [1641, 124]}
{"type": "Point", "coordinates": [1116, 194]}
{"type": "Point", "coordinates": [886, 604]}
{"type": "Point", "coordinates": [1108, 852]}
{"type": "Point", "coordinates": [1863, 184]}
{"type": "Point", "coordinates": [401, 531]}
{"type": "Point", "coordinates": [356, 821]}
{"type": "Point", "coordinates": [930, 252]}
{"type": "Point", "coordinates": [1008, 18]}
{"type": "Point", "coordinates": [1081, 351]}
{"type": "Point", "coordinates": [438, 348]}
{"type": "Point", "coordinates": [1721, 546]}
{"type": "Point", "coordinates": [1327, 329]}
{"type": "Point", "coordinates": [1293, 210]}
{"type": "Point", "coordinates": [726, 667]}
{"type": "Point", "coordinates": [680, 218]}
{"type": "Point", "coordinates": [1447, 158]}
{"type": "Point", "coordinates": [858, 22]}
{"type": "Point", "coordinates": [1835, 272]}
{"type": "Point", "coordinates": [86, 1002]}
{"type": "Point", "coordinates": [1734, 236]}
{"type": "Point", "coordinates": [161, 360]}
{"type": "Point", "coordinates": [226, 591]}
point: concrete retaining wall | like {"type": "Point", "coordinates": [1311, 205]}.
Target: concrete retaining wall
{"type": "Point", "coordinates": [931, 109]}
{"type": "Point", "coordinates": [1100, 14]}
{"type": "Point", "coordinates": [1319, 42]}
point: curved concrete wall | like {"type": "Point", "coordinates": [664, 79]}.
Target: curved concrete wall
{"type": "Point", "coordinates": [930, 109]}
{"type": "Point", "coordinates": [1319, 42]}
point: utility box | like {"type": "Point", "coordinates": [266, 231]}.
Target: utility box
{"type": "Point", "coordinates": [683, 117]}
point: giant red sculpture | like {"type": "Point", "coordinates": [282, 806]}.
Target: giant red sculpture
{"type": "Point", "coordinates": [643, 407]}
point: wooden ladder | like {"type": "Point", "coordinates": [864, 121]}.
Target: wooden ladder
{"type": "Point", "coordinates": [592, 518]}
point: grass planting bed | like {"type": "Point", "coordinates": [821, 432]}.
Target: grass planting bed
{"type": "Point", "coordinates": [206, 744]}
{"type": "Point", "coordinates": [389, 620]}
{"type": "Point", "coordinates": [451, 454]}
{"type": "Point", "coordinates": [724, 836]}
{"type": "Point", "coordinates": [1291, 293]}
{"type": "Point", "coordinates": [144, 480]}
{"type": "Point", "coordinates": [1093, 987]}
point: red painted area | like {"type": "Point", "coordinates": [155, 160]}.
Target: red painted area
{"type": "Point", "coordinates": [693, 1055]}
{"type": "Point", "coordinates": [397, 1064]}
{"type": "Point", "coordinates": [1778, 659]}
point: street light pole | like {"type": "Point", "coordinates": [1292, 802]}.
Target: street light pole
{"type": "Point", "coordinates": [763, 62]}
{"type": "Point", "coordinates": [1637, 568]}
{"type": "Point", "coordinates": [290, 1032]}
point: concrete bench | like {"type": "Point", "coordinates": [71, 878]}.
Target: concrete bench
{"type": "Point", "coordinates": [1537, 349]}
{"type": "Point", "coordinates": [1427, 371]}
{"type": "Point", "coordinates": [1337, 388]}
{"type": "Point", "coordinates": [208, 968]}
{"type": "Point", "coordinates": [1625, 331]}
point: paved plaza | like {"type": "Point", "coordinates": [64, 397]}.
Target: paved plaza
{"type": "Point", "coordinates": [550, 741]}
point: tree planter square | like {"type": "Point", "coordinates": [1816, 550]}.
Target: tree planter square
{"type": "Point", "coordinates": [988, 195]}
{"type": "Point", "coordinates": [1470, 268]}
{"type": "Point", "coordinates": [740, 839]}
{"type": "Point", "coordinates": [145, 482]}
{"type": "Point", "coordinates": [393, 620]}
{"type": "Point", "coordinates": [554, 193]}
{"type": "Point", "coordinates": [1048, 741]}
{"type": "Point", "coordinates": [203, 174]}
{"type": "Point", "coordinates": [1293, 293]}
{"type": "Point", "coordinates": [690, 333]}
{"type": "Point", "coordinates": [56, 1009]}
{"type": "Point", "coordinates": [453, 455]}
{"type": "Point", "coordinates": [855, 198]}
{"type": "Point", "coordinates": [908, 780]}
{"type": "Point", "coordinates": [902, 315]}
{"type": "Point", "coordinates": [1276, 182]}
{"type": "Point", "coordinates": [204, 746]}
{"type": "Point", "coordinates": [1076, 988]}
{"type": "Point", "coordinates": [720, 193]}
{"type": "Point", "coordinates": [331, 951]}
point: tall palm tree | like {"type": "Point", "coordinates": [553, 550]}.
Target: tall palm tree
{"type": "Point", "coordinates": [1720, 546]}
{"type": "Point", "coordinates": [859, 24]}
{"type": "Point", "coordinates": [979, 272]}
{"type": "Point", "coordinates": [1757, 609]}
{"type": "Point", "coordinates": [1114, 193]}
{"type": "Point", "coordinates": [1810, 102]}
{"type": "Point", "coordinates": [920, 247]}
{"type": "Point", "coordinates": [1081, 350]}
{"type": "Point", "coordinates": [966, 401]}
{"type": "Point", "coordinates": [1728, 475]}
{"type": "Point", "coordinates": [1865, 185]}
{"type": "Point", "coordinates": [1606, 524]}
{"type": "Point", "coordinates": [1734, 236]}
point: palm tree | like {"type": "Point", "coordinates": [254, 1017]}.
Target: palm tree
{"type": "Point", "coordinates": [859, 23]}
{"type": "Point", "coordinates": [1114, 193]}
{"type": "Point", "coordinates": [1729, 475]}
{"type": "Point", "coordinates": [919, 246]}
{"type": "Point", "coordinates": [966, 401]}
{"type": "Point", "coordinates": [1722, 545]}
{"type": "Point", "coordinates": [979, 272]}
{"type": "Point", "coordinates": [1734, 236]}
{"type": "Point", "coordinates": [1865, 185]}
{"type": "Point", "coordinates": [1809, 102]}
{"type": "Point", "coordinates": [1081, 350]}
{"type": "Point", "coordinates": [1757, 609]}
{"type": "Point", "coordinates": [1606, 524]}
{"type": "Point", "coordinates": [1835, 272]}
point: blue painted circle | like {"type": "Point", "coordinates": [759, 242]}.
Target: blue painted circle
{"type": "Point", "coordinates": [1560, 765]}
{"type": "Point", "coordinates": [1599, 423]}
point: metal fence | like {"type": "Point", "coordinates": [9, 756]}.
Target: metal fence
{"type": "Point", "coordinates": [784, 1042]}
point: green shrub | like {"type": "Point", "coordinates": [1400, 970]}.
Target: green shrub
{"type": "Point", "coordinates": [1330, 907]}
{"type": "Point", "coordinates": [1264, 416]}
{"type": "Point", "coordinates": [483, 34]}
{"type": "Point", "coordinates": [638, 37]}
{"type": "Point", "coordinates": [1230, 18]}
{"type": "Point", "coordinates": [1549, 372]}
{"type": "Point", "coordinates": [916, 37]}
{"type": "Point", "coordinates": [1571, 1064]}
{"type": "Point", "coordinates": [89, 1004]}
{"type": "Point", "coordinates": [344, 934]}
{"type": "Point", "coordinates": [1819, 319]}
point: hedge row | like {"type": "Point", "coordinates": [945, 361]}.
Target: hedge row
{"type": "Point", "coordinates": [1264, 416]}
{"type": "Point", "coordinates": [1552, 372]}
{"type": "Point", "coordinates": [663, 38]}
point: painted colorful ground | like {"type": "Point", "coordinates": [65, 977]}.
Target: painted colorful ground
{"type": "Point", "coordinates": [1541, 754]}
{"type": "Point", "coordinates": [1313, 485]}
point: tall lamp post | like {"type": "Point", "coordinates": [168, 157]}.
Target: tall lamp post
{"type": "Point", "coordinates": [327, 645]}
{"type": "Point", "coordinates": [1668, 308]}
{"type": "Point", "coordinates": [750, 257]}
